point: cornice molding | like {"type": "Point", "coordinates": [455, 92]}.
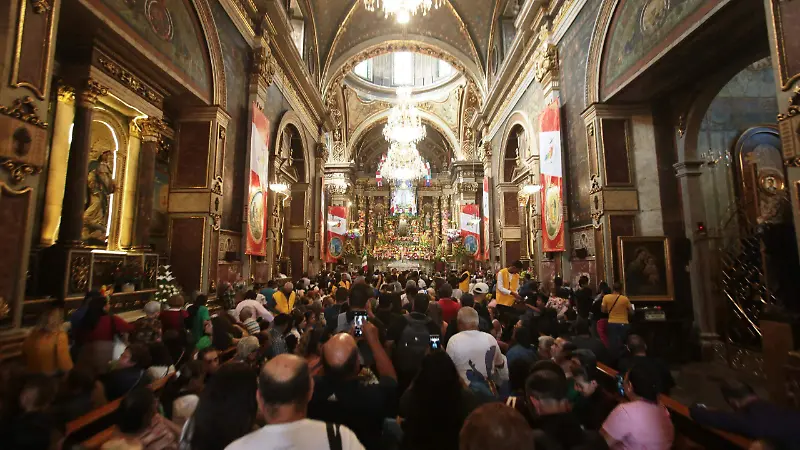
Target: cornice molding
{"type": "Point", "coordinates": [566, 16]}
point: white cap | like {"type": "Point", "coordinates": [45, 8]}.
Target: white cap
{"type": "Point", "coordinates": [421, 284]}
{"type": "Point", "coordinates": [481, 288]}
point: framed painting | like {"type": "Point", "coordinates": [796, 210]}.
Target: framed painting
{"type": "Point", "coordinates": [645, 268]}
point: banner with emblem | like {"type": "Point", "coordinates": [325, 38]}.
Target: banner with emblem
{"type": "Point", "coordinates": [257, 193]}
{"type": "Point", "coordinates": [470, 228]}
{"type": "Point", "coordinates": [552, 176]}
{"type": "Point", "coordinates": [337, 227]}
{"type": "Point", "coordinates": [486, 243]}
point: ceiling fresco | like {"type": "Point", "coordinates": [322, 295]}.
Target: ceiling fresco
{"type": "Point", "coordinates": [372, 146]}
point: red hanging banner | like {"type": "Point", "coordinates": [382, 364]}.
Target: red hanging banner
{"type": "Point", "coordinates": [257, 193]}
{"type": "Point", "coordinates": [337, 227]}
{"type": "Point", "coordinates": [471, 228]}
{"type": "Point", "coordinates": [552, 173]}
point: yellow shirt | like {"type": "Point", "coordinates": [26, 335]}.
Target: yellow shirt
{"type": "Point", "coordinates": [47, 353]}
{"type": "Point", "coordinates": [620, 312]}
{"type": "Point", "coordinates": [283, 305]}
{"type": "Point", "coordinates": [464, 285]}
{"type": "Point", "coordinates": [510, 282]}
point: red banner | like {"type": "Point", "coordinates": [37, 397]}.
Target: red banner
{"type": "Point", "coordinates": [337, 227]}
{"type": "Point", "coordinates": [486, 243]}
{"type": "Point", "coordinates": [471, 228]}
{"type": "Point", "coordinates": [551, 168]}
{"type": "Point", "coordinates": [257, 194]}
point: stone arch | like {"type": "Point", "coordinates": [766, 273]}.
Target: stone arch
{"type": "Point", "coordinates": [291, 118]}
{"type": "Point", "coordinates": [593, 62]}
{"type": "Point", "coordinates": [428, 118]}
{"type": "Point", "coordinates": [521, 119]}
{"type": "Point", "coordinates": [219, 90]}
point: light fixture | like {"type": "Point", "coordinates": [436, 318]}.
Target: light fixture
{"type": "Point", "coordinates": [404, 124]}
{"type": "Point", "coordinates": [280, 188]}
{"type": "Point", "coordinates": [403, 163]}
{"type": "Point", "coordinates": [402, 9]}
{"type": "Point", "coordinates": [530, 189]}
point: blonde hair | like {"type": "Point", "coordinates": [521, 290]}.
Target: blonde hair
{"type": "Point", "coordinates": [176, 301]}
{"type": "Point", "coordinates": [50, 320]}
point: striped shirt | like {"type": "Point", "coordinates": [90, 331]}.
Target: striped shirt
{"type": "Point", "coordinates": [252, 326]}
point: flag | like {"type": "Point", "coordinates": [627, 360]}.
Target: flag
{"type": "Point", "coordinates": [365, 262]}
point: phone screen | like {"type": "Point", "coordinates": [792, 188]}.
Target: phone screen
{"type": "Point", "coordinates": [620, 385]}
{"type": "Point", "coordinates": [435, 344]}
{"type": "Point", "coordinates": [358, 321]}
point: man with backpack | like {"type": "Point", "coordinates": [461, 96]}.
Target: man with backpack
{"type": "Point", "coordinates": [409, 340]}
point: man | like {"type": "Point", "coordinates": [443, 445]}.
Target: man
{"type": "Point", "coordinates": [751, 417]}
{"type": "Point", "coordinates": [409, 339]}
{"type": "Point", "coordinates": [285, 388]}
{"type": "Point", "coordinates": [210, 358]}
{"type": "Point", "coordinates": [360, 296]}
{"type": "Point", "coordinates": [247, 351]}
{"type": "Point", "coordinates": [129, 371]}
{"type": "Point", "coordinates": [618, 307]}
{"type": "Point", "coordinates": [507, 295]}
{"type": "Point", "coordinates": [522, 348]}
{"type": "Point", "coordinates": [251, 301]}
{"type": "Point", "coordinates": [495, 426]}
{"type": "Point", "coordinates": [638, 357]}
{"type": "Point", "coordinates": [332, 312]}
{"type": "Point", "coordinates": [396, 286]}
{"type": "Point", "coordinates": [272, 287]}
{"type": "Point", "coordinates": [340, 396]}
{"type": "Point", "coordinates": [305, 281]}
{"type": "Point", "coordinates": [584, 297]}
{"type": "Point", "coordinates": [449, 305]}
{"type": "Point", "coordinates": [285, 298]}
{"type": "Point", "coordinates": [277, 334]}
{"type": "Point", "coordinates": [584, 340]}
{"type": "Point", "coordinates": [476, 355]}
{"type": "Point", "coordinates": [463, 281]}
{"type": "Point", "coordinates": [484, 324]}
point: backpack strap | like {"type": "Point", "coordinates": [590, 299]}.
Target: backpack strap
{"type": "Point", "coordinates": [334, 436]}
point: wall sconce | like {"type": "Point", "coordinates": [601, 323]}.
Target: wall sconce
{"type": "Point", "coordinates": [280, 188]}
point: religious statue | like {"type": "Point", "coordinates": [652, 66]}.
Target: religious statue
{"type": "Point", "coordinates": [99, 188]}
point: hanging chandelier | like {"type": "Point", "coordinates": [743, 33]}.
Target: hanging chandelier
{"type": "Point", "coordinates": [402, 9]}
{"type": "Point", "coordinates": [403, 163]}
{"type": "Point", "coordinates": [404, 124]}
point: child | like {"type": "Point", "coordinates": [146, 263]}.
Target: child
{"type": "Point", "coordinates": [249, 322]}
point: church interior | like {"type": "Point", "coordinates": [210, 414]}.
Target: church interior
{"type": "Point", "coordinates": [227, 143]}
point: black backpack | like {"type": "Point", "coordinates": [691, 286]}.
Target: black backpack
{"type": "Point", "coordinates": [413, 344]}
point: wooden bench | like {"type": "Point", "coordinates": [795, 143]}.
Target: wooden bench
{"type": "Point", "coordinates": [685, 426]}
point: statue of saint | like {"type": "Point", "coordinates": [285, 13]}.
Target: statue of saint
{"type": "Point", "coordinates": [99, 188]}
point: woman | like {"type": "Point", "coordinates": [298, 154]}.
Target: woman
{"type": "Point", "coordinates": [310, 348]}
{"type": "Point", "coordinates": [224, 333]}
{"type": "Point", "coordinates": [435, 313]}
{"type": "Point", "coordinates": [139, 426]}
{"type": "Point", "coordinates": [597, 316]}
{"type": "Point", "coordinates": [46, 349]}
{"type": "Point", "coordinates": [174, 317]}
{"type": "Point", "coordinates": [618, 307]}
{"type": "Point", "coordinates": [232, 390]}
{"type": "Point", "coordinates": [181, 394]}
{"type": "Point", "coordinates": [96, 333]}
{"type": "Point", "coordinates": [296, 331]}
{"type": "Point", "coordinates": [161, 365]}
{"type": "Point", "coordinates": [198, 315]}
{"type": "Point", "coordinates": [130, 371]}
{"type": "Point", "coordinates": [434, 408]}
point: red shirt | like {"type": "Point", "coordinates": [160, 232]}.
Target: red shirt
{"type": "Point", "coordinates": [173, 319]}
{"type": "Point", "coordinates": [102, 331]}
{"type": "Point", "coordinates": [450, 309]}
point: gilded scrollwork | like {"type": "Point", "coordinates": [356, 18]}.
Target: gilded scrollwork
{"type": "Point", "coordinates": [794, 106]}
{"type": "Point", "coordinates": [263, 68]}
{"type": "Point", "coordinates": [79, 274]}
{"type": "Point", "coordinates": [91, 92]}
{"type": "Point", "coordinates": [129, 80]}
{"type": "Point", "coordinates": [5, 309]}
{"type": "Point", "coordinates": [152, 128]}
{"type": "Point", "coordinates": [546, 62]}
{"type": "Point", "coordinates": [41, 6]}
{"type": "Point", "coordinates": [25, 110]}
{"type": "Point", "coordinates": [18, 170]}
{"type": "Point", "coordinates": [66, 94]}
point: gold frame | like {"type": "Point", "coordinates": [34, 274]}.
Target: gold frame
{"type": "Point", "coordinates": [41, 94]}
{"type": "Point", "coordinates": [621, 240]}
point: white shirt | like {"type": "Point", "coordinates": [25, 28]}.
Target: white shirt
{"type": "Point", "coordinates": [481, 350]}
{"type": "Point", "coordinates": [500, 287]}
{"type": "Point", "coordinates": [258, 307]}
{"type": "Point", "coordinates": [183, 407]}
{"type": "Point", "coordinates": [300, 435]}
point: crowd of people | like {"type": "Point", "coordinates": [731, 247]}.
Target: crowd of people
{"type": "Point", "coordinates": [377, 361]}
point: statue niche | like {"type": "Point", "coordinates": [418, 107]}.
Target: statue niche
{"type": "Point", "coordinates": [99, 188]}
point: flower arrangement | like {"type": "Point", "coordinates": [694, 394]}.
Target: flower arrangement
{"type": "Point", "coordinates": [354, 233]}
{"type": "Point", "coordinates": [166, 286]}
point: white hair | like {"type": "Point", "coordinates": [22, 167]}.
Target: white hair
{"type": "Point", "coordinates": [468, 318]}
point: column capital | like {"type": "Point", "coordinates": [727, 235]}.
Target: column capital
{"type": "Point", "coordinates": [687, 169]}
{"type": "Point", "coordinates": [90, 92]}
{"type": "Point", "coordinates": [262, 70]}
{"type": "Point", "coordinates": [152, 128]}
{"type": "Point", "coordinates": [66, 94]}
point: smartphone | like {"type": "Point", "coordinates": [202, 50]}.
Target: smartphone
{"type": "Point", "coordinates": [435, 342]}
{"type": "Point", "coordinates": [620, 385]}
{"type": "Point", "coordinates": [359, 318]}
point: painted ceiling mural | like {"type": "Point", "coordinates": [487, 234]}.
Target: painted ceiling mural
{"type": "Point", "coordinates": [640, 30]}
{"type": "Point", "coordinates": [170, 29]}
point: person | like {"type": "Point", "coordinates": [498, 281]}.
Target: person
{"type": "Point", "coordinates": [637, 355]}
{"type": "Point", "coordinates": [226, 411]}
{"type": "Point", "coordinates": [198, 315]}
{"type": "Point", "coordinates": [310, 348]}
{"type": "Point", "coordinates": [434, 408]}
{"type": "Point", "coordinates": [285, 298]}
{"type": "Point", "coordinates": [277, 334]}
{"type": "Point", "coordinates": [409, 340]}
{"type": "Point", "coordinates": [495, 426]}
{"type": "Point", "coordinates": [46, 348]}
{"type": "Point", "coordinates": [140, 426]}
{"type": "Point", "coordinates": [35, 427]}
{"type": "Point", "coordinates": [449, 305]}
{"type": "Point", "coordinates": [270, 289]}
{"type": "Point", "coordinates": [583, 297]}
{"type": "Point", "coordinates": [96, 333]}
{"type": "Point", "coordinates": [476, 354]}
{"type": "Point", "coordinates": [599, 319]}
{"type": "Point", "coordinates": [396, 286]}
{"type": "Point", "coordinates": [339, 396]}
{"type": "Point", "coordinates": [250, 301]}
{"type": "Point", "coordinates": [224, 334]}
{"type": "Point", "coordinates": [79, 394]}
{"type": "Point", "coordinates": [618, 307]}
{"type": "Point", "coordinates": [463, 280]}
{"type": "Point", "coordinates": [507, 295]}
{"type": "Point", "coordinates": [522, 348]}
{"type": "Point", "coordinates": [484, 324]}
{"type": "Point", "coordinates": [284, 390]}
{"type": "Point", "coordinates": [641, 422]}
{"type": "Point", "coordinates": [174, 317]}
{"type": "Point", "coordinates": [130, 371]}
{"type": "Point", "coordinates": [559, 304]}
{"type": "Point", "coordinates": [249, 322]}
{"type": "Point", "coordinates": [148, 329]}
{"type": "Point", "coordinates": [545, 347]}
{"type": "Point", "coordinates": [332, 312]}
{"type": "Point", "coordinates": [296, 330]}
{"type": "Point", "coordinates": [206, 340]}
{"type": "Point", "coordinates": [390, 309]}
{"type": "Point", "coordinates": [161, 365]}
{"type": "Point", "coordinates": [181, 394]}
{"type": "Point", "coordinates": [210, 358]}
{"type": "Point", "coordinates": [360, 298]}
{"type": "Point", "coordinates": [247, 351]}
{"type": "Point", "coordinates": [584, 340]}
{"type": "Point", "coordinates": [751, 416]}
{"type": "Point", "coordinates": [179, 348]}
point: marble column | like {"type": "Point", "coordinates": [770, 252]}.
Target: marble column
{"type": "Point", "coordinates": [152, 129]}
{"type": "Point", "coordinates": [78, 165]}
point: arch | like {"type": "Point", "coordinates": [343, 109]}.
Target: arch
{"type": "Point", "coordinates": [427, 118]}
{"type": "Point", "coordinates": [511, 154]}
{"type": "Point", "coordinates": [219, 90]}
{"type": "Point", "coordinates": [521, 119]}
{"type": "Point", "coordinates": [593, 63]}
{"type": "Point", "coordinates": [292, 118]}
{"type": "Point", "coordinates": [399, 43]}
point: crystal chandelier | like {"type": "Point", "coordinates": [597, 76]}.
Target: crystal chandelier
{"type": "Point", "coordinates": [402, 9]}
{"type": "Point", "coordinates": [404, 124]}
{"type": "Point", "coordinates": [403, 162]}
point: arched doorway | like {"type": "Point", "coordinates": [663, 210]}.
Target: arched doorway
{"type": "Point", "coordinates": [292, 205]}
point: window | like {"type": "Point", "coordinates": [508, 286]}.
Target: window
{"type": "Point", "coordinates": [364, 70]}
{"type": "Point", "coordinates": [445, 69]}
{"type": "Point", "coordinates": [403, 73]}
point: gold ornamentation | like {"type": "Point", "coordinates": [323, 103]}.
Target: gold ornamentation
{"type": "Point", "coordinates": [92, 90]}
{"type": "Point", "coordinates": [152, 128]}
{"type": "Point", "coordinates": [546, 62]}
{"type": "Point", "coordinates": [263, 68]}
{"type": "Point", "coordinates": [216, 186]}
{"type": "Point", "coordinates": [25, 110]}
{"type": "Point", "coordinates": [66, 94]}
{"type": "Point", "coordinates": [41, 6]}
{"type": "Point", "coordinates": [79, 274]}
{"type": "Point", "coordinates": [467, 187]}
{"type": "Point", "coordinates": [222, 133]}
{"type": "Point", "coordinates": [19, 169]}
{"type": "Point", "coordinates": [681, 125]}
{"type": "Point", "coordinates": [5, 310]}
{"type": "Point", "coordinates": [794, 105]}
{"type": "Point", "coordinates": [131, 81]}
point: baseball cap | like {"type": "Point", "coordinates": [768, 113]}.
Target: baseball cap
{"type": "Point", "coordinates": [481, 288]}
{"type": "Point", "coordinates": [421, 284]}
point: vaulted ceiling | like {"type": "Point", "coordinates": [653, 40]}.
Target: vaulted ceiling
{"type": "Point", "coordinates": [372, 146]}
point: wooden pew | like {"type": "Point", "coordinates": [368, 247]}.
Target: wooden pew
{"type": "Point", "coordinates": [684, 425]}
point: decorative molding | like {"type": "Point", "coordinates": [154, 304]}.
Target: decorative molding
{"type": "Point", "coordinates": [603, 22]}
{"type": "Point", "coordinates": [25, 110]}
{"type": "Point", "coordinates": [131, 81]}
{"type": "Point", "coordinates": [18, 170]}
{"type": "Point", "coordinates": [787, 79]}
{"type": "Point", "coordinates": [66, 94]}
{"type": "Point", "coordinates": [41, 6]}
{"type": "Point", "coordinates": [152, 128]}
{"type": "Point", "coordinates": [794, 106]}
{"type": "Point", "coordinates": [219, 92]}
{"type": "Point", "coordinates": [567, 14]}
{"type": "Point", "coordinates": [43, 27]}
{"type": "Point", "coordinates": [92, 90]}
{"type": "Point", "coordinates": [687, 168]}
{"type": "Point", "coordinates": [546, 62]}
{"type": "Point", "coordinates": [263, 66]}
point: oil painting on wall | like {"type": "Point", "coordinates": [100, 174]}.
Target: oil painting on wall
{"type": "Point", "coordinates": [646, 268]}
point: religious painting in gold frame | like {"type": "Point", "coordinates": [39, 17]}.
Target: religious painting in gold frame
{"type": "Point", "coordinates": [646, 268]}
